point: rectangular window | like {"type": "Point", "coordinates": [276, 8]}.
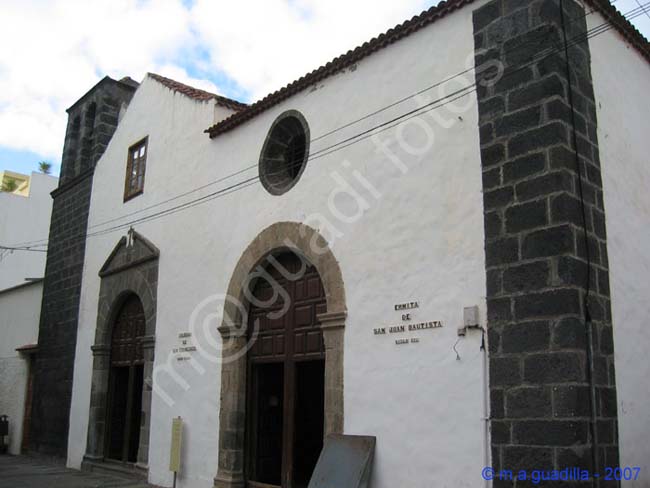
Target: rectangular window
{"type": "Point", "coordinates": [135, 166]}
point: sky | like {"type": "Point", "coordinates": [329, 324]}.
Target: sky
{"type": "Point", "coordinates": [53, 51]}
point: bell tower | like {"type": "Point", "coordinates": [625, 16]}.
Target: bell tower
{"type": "Point", "coordinates": [92, 120]}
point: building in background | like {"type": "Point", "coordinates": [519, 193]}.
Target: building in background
{"type": "Point", "coordinates": [15, 183]}
{"type": "Point", "coordinates": [24, 219]}
{"type": "Point", "coordinates": [25, 209]}
{"type": "Point", "coordinates": [20, 308]}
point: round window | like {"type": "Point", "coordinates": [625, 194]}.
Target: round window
{"type": "Point", "coordinates": [285, 153]}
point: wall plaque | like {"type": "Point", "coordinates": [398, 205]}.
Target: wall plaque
{"type": "Point", "coordinates": [185, 346]}
{"type": "Point", "coordinates": [406, 306]}
{"type": "Point", "coordinates": [407, 326]}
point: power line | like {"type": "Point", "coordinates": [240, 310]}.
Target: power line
{"type": "Point", "coordinates": [348, 141]}
{"type": "Point", "coordinates": [439, 83]}
{"type": "Point", "coordinates": [451, 97]}
{"type": "Point", "coordinates": [248, 182]}
{"type": "Point", "coordinates": [313, 155]}
{"type": "Point", "coordinates": [29, 249]}
{"type": "Point", "coordinates": [589, 340]}
{"type": "Point", "coordinates": [644, 10]}
{"type": "Point", "coordinates": [461, 93]}
{"type": "Point", "coordinates": [535, 38]}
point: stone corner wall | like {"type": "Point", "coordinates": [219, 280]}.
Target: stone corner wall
{"type": "Point", "coordinates": [537, 259]}
{"type": "Point", "coordinates": [57, 337]}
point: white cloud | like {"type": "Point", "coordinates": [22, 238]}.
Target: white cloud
{"type": "Point", "coordinates": [266, 44]}
{"type": "Point", "coordinates": [53, 51]}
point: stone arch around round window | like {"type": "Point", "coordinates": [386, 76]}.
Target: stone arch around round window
{"type": "Point", "coordinates": [285, 152]}
{"type": "Point", "coordinates": [131, 269]}
{"type": "Point", "coordinates": [307, 243]}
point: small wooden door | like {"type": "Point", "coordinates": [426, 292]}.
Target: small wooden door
{"type": "Point", "coordinates": [285, 375]}
{"type": "Point", "coordinates": [125, 383]}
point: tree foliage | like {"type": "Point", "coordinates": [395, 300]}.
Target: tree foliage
{"type": "Point", "coordinates": [9, 185]}
{"type": "Point", "coordinates": [45, 167]}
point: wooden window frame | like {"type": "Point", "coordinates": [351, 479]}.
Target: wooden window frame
{"type": "Point", "coordinates": [129, 192]}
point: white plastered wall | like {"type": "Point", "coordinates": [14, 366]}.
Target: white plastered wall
{"type": "Point", "coordinates": [420, 237]}
{"type": "Point", "coordinates": [20, 311]}
{"type": "Point", "coordinates": [25, 219]}
{"type": "Point", "coordinates": [621, 78]}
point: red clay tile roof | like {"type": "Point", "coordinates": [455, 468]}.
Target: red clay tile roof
{"type": "Point", "coordinates": [623, 26]}
{"type": "Point", "coordinates": [196, 93]}
{"type": "Point", "coordinates": [395, 34]}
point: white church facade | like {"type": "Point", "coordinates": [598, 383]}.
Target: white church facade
{"type": "Point", "coordinates": [438, 240]}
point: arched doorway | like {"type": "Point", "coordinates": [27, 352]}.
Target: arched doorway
{"type": "Point", "coordinates": [286, 374]}
{"type": "Point", "coordinates": [234, 431]}
{"type": "Point", "coordinates": [130, 271]}
{"type": "Point", "coordinates": [125, 382]}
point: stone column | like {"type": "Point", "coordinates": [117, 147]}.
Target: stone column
{"type": "Point", "coordinates": [148, 346]}
{"type": "Point", "coordinates": [333, 327]}
{"type": "Point", "coordinates": [545, 241]}
{"type": "Point", "coordinates": [98, 395]}
{"type": "Point", "coordinates": [232, 413]}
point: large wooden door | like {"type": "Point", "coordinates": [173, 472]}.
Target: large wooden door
{"type": "Point", "coordinates": [126, 381]}
{"type": "Point", "coordinates": [285, 375]}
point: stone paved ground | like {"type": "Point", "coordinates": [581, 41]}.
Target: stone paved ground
{"type": "Point", "coordinates": [25, 472]}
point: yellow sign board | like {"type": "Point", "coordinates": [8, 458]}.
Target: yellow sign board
{"type": "Point", "coordinates": [175, 449]}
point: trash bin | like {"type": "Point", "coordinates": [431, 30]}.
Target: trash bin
{"type": "Point", "coordinates": [4, 432]}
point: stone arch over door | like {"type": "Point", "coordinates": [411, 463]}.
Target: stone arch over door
{"type": "Point", "coordinates": [131, 269]}
{"type": "Point", "coordinates": [310, 245]}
